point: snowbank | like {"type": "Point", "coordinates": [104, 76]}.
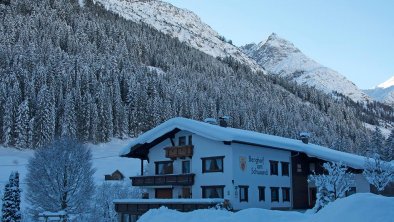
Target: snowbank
{"type": "Point", "coordinates": [363, 207]}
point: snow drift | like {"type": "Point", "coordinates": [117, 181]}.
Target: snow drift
{"type": "Point", "coordinates": [362, 207]}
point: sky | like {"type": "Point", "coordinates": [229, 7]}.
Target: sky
{"type": "Point", "coordinates": [353, 37]}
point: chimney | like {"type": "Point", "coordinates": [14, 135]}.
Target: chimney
{"type": "Point", "coordinates": [211, 121]}
{"type": "Point", "coordinates": [304, 136]}
{"type": "Point", "coordinates": [223, 121]}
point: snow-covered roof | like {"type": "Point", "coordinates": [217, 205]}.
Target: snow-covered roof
{"type": "Point", "coordinates": [228, 134]}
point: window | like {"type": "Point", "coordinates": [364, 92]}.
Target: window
{"type": "Point", "coordinates": [285, 194]}
{"type": "Point", "coordinates": [243, 193]}
{"type": "Point", "coordinates": [351, 191]}
{"type": "Point", "coordinates": [274, 194]}
{"type": "Point", "coordinates": [186, 166]}
{"type": "Point", "coordinates": [274, 167]}
{"type": "Point", "coordinates": [212, 164]}
{"type": "Point", "coordinates": [212, 191]}
{"type": "Point", "coordinates": [312, 167]}
{"type": "Point", "coordinates": [182, 141]}
{"type": "Point", "coordinates": [190, 140]}
{"type": "Point", "coordinates": [261, 193]}
{"type": "Point", "coordinates": [285, 168]}
{"type": "Point", "coordinates": [299, 168]}
{"type": "Point", "coordinates": [164, 167]}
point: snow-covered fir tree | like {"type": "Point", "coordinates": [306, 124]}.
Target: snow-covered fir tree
{"type": "Point", "coordinates": [332, 185]}
{"type": "Point", "coordinates": [12, 200]}
{"type": "Point", "coordinates": [22, 125]}
{"type": "Point", "coordinates": [388, 152]}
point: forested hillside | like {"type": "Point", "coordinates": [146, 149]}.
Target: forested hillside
{"type": "Point", "coordinates": [86, 73]}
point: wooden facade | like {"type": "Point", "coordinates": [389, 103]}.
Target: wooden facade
{"type": "Point", "coordinates": [164, 180]}
{"type": "Point", "coordinates": [132, 210]}
{"type": "Point", "coordinates": [301, 165]}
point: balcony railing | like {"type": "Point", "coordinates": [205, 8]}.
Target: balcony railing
{"type": "Point", "coordinates": [179, 151]}
{"type": "Point", "coordinates": [164, 180]}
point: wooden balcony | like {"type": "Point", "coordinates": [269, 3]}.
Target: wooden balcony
{"type": "Point", "coordinates": [164, 180]}
{"type": "Point", "coordinates": [179, 151]}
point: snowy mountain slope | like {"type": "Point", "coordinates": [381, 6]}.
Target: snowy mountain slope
{"type": "Point", "coordinates": [178, 23]}
{"type": "Point", "coordinates": [281, 57]}
{"type": "Point", "coordinates": [384, 92]}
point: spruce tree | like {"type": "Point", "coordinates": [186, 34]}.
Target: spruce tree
{"type": "Point", "coordinates": [11, 200]}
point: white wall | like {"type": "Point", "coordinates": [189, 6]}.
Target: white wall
{"type": "Point", "coordinates": [204, 147]}
{"type": "Point", "coordinates": [362, 185]}
{"type": "Point", "coordinates": [254, 180]}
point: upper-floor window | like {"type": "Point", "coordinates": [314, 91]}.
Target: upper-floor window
{"type": "Point", "coordinates": [274, 167]}
{"type": "Point", "coordinates": [285, 168]}
{"type": "Point", "coordinates": [261, 193]}
{"type": "Point", "coordinates": [243, 193]}
{"type": "Point", "coordinates": [212, 164]}
{"type": "Point", "coordinates": [190, 140]}
{"type": "Point", "coordinates": [212, 191]}
{"type": "Point", "coordinates": [285, 194]}
{"type": "Point", "coordinates": [164, 167]}
{"type": "Point", "coordinates": [182, 141]}
{"type": "Point", "coordinates": [186, 166]}
{"type": "Point", "coordinates": [274, 194]}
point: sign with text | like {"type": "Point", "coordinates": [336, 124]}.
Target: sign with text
{"type": "Point", "coordinates": [254, 164]}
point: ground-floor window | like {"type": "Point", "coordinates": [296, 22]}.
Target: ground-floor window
{"type": "Point", "coordinates": [128, 218]}
{"type": "Point", "coordinates": [285, 194]}
{"type": "Point", "coordinates": [261, 193]}
{"type": "Point", "coordinates": [243, 193]}
{"type": "Point", "coordinates": [274, 194]}
{"type": "Point", "coordinates": [212, 191]}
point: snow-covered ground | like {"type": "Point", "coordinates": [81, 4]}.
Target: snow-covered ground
{"type": "Point", "coordinates": [362, 207]}
{"type": "Point", "coordinates": [105, 160]}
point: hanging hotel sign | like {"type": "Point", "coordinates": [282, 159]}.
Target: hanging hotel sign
{"type": "Point", "coordinates": [253, 164]}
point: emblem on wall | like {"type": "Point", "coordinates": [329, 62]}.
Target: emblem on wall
{"type": "Point", "coordinates": [242, 163]}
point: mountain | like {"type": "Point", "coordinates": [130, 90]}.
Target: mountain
{"type": "Point", "coordinates": [79, 70]}
{"type": "Point", "coordinates": [280, 57]}
{"type": "Point", "coordinates": [384, 92]}
{"type": "Point", "coordinates": [178, 23]}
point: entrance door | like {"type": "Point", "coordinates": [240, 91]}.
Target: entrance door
{"type": "Point", "coordinates": [163, 193]}
{"type": "Point", "coordinates": [312, 196]}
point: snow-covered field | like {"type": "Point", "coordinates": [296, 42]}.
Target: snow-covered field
{"type": "Point", "coordinates": [105, 160]}
{"type": "Point", "coordinates": [362, 207]}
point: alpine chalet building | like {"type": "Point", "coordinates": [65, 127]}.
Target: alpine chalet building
{"type": "Point", "coordinates": [191, 161]}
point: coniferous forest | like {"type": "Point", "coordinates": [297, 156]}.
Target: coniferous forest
{"type": "Point", "coordinates": [85, 73]}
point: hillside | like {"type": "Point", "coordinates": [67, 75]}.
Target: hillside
{"type": "Point", "coordinates": [280, 57]}
{"type": "Point", "coordinates": [178, 23]}
{"type": "Point", "coordinates": [89, 74]}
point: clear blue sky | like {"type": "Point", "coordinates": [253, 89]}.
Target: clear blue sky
{"type": "Point", "coordinates": [353, 37]}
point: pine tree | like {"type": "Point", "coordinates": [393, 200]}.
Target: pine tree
{"type": "Point", "coordinates": [11, 200]}
{"type": "Point", "coordinates": [377, 142]}
{"type": "Point", "coordinates": [22, 125]}
{"type": "Point", "coordinates": [69, 124]}
{"type": "Point", "coordinates": [45, 118]}
{"type": "Point", "coordinates": [389, 147]}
